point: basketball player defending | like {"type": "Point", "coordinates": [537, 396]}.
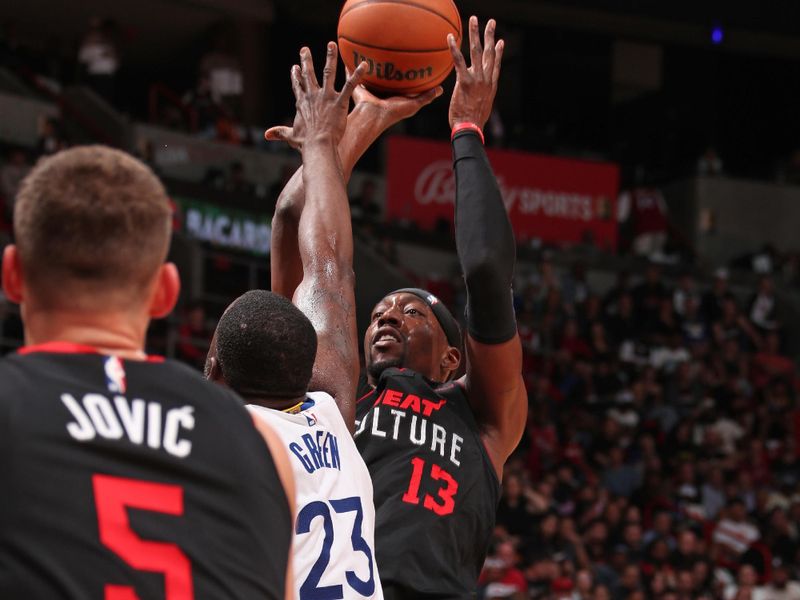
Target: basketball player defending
{"type": "Point", "coordinates": [435, 448]}
{"type": "Point", "coordinates": [124, 476]}
{"type": "Point", "coordinates": [255, 346]}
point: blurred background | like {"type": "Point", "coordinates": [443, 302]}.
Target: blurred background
{"type": "Point", "coordinates": [649, 155]}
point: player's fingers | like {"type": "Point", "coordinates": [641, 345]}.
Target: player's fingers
{"type": "Point", "coordinates": [475, 49]}
{"type": "Point", "coordinates": [429, 96]}
{"type": "Point", "coordinates": [458, 58]}
{"type": "Point", "coordinates": [498, 60]}
{"type": "Point", "coordinates": [352, 83]}
{"type": "Point", "coordinates": [278, 134]}
{"type": "Point", "coordinates": [329, 72]}
{"type": "Point", "coordinates": [489, 49]}
{"type": "Point", "coordinates": [307, 64]}
{"type": "Point", "coordinates": [297, 82]}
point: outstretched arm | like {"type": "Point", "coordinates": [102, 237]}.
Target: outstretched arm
{"type": "Point", "coordinates": [370, 118]}
{"type": "Point", "coordinates": [486, 251]}
{"type": "Point", "coordinates": [324, 234]}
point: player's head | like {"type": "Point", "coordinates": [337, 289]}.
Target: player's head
{"type": "Point", "coordinates": [411, 328]}
{"type": "Point", "coordinates": [264, 348]}
{"type": "Point", "coordinates": [92, 228]}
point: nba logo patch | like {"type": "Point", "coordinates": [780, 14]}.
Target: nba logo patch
{"type": "Point", "coordinates": [115, 375]}
{"type": "Point", "coordinates": [432, 300]}
{"type": "Point", "coordinates": [311, 418]}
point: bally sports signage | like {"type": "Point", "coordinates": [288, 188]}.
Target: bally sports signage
{"type": "Point", "coordinates": [555, 200]}
{"type": "Point", "coordinates": [224, 227]}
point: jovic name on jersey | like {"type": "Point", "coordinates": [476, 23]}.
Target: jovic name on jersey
{"type": "Point", "coordinates": [436, 491]}
{"type": "Point", "coordinates": [333, 554]}
{"type": "Point", "coordinates": [127, 479]}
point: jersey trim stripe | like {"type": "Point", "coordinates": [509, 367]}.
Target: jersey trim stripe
{"type": "Point", "coordinates": [72, 348]}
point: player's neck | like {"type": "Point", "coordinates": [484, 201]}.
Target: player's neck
{"type": "Point", "coordinates": [282, 404]}
{"type": "Point", "coordinates": [116, 333]}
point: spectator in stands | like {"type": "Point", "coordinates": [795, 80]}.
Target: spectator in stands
{"type": "Point", "coordinates": [733, 326]}
{"type": "Point", "coordinates": [763, 306]}
{"type": "Point", "coordinates": [194, 336]}
{"type": "Point", "coordinates": [684, 293]}
{"type": "Point", "coordinates": [515, 512]}
{"type": "Point", "coordinates": [201, 101]}
{"type": "Point", "coordinates": [745, 586]}
{"type": "Point", "coordinates": [224, 72]}
{"type": "Point", "coordinates": [500, 568]}
{"type": "Point", "coordinates": [646, 210]}
{"type": "Point", "coordinates": [735, 532]}
{"type": "Point", "coordinates": [98, 58]}
{"type": "Point", "coordinates": [647, 296]}
{"type": "Point", "coordinates": [50, 138]}
{"type": "Point", "coordinates": [780, 587]}
{"type": "Point", "coordinates": [713, 299]}
{"type": "Point", "coordinates": [709, 164]}
{"type": "Point", "coordinates": [235, 182]}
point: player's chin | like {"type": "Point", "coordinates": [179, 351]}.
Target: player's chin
{"type": "Point", "coordinates": [379, 365]}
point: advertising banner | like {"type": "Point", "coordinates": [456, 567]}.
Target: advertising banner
{"type": "Point", "coordinates": [229, 228]}
{"type": "Point", "coordinates": [555, 200]}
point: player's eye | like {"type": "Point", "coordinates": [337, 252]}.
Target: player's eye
{"type": "Point", "coordinates": [377, 315]}
{"type": "Point", "coordinates": [412, 311]}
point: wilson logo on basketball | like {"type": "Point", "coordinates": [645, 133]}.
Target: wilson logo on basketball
{"type": "Point", "coordinates": [388, 71]}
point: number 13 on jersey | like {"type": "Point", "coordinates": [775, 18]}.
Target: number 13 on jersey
{"type": "Point", "coordinates": [445, 501]}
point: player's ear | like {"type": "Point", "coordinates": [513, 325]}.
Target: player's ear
{"type": "Point", "coordinates": [12, 274]}
{"type": "Point", "coordinates": [213, 371]}
{"type": "Point", "coordinates": [167, 290]}
{"type": "Point", "coordinates": [451, 359]}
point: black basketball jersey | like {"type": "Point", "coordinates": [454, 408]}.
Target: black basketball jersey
{"type": "Point", "coordinates": [125, 480]}
{"type": "Point", "coordinates": [436, 491]}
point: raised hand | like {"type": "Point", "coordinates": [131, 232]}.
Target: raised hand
{"type": "Point", "coordinates": [321, 110]}
{"type": "Point", "coordinates": [386, 112]}
{"type": "Point", "coordinates": [476, 85]}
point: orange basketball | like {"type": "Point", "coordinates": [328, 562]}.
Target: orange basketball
{"type": "Point", "coordinates": [404, 42]}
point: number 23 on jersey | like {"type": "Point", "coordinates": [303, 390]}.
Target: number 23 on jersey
{"type": "Point", "coordinates": [333, 513]}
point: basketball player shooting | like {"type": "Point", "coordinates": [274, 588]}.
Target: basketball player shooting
{"type": "Point", "coordinates": [435, 448]}
{"type": "Point", "coordinates": [272, 352]}
{"type": "Point", "coordinates": [120, 476]}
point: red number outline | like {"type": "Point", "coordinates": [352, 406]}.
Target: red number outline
{"type": "Point", "coordinates": [113, 496]}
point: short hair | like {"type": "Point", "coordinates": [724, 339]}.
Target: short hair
{"type": "Point", "coordinates": [266, 346]}
{"type": "Point", "coordinates": [92, 222]}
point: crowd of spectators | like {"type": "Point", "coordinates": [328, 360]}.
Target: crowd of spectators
{"type": "Point", "coordinates": [662, 453]}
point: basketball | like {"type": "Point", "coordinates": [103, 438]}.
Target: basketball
{"type": "Point", "coordinates": [403, 42]}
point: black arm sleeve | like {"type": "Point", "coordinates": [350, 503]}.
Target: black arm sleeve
{"type": "Point", "coordinates": [484, 242]}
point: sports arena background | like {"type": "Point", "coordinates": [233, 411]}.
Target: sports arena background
{"type": "Point", "coordinates": [649, 154]}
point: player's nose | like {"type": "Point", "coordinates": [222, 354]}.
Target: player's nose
{"type": "Point", "coordinates": [390, 317]}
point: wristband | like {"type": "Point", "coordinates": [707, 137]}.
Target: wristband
{"type": "Point", "coordinates": [467, 126]}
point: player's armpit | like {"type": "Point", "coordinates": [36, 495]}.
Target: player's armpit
{"type": "Point", "coordinates": [497, 395]}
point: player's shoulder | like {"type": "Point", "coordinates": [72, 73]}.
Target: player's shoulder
{"type": "Point", "coordinates": [321, 399]}
{"type": "Point", "coordinates": [182, 378]}
{"type": "Point", "coordinates": [323, 406]}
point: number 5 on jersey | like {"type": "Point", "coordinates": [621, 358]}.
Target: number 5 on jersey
{"type": "Point", "coordinates": [113, 496]}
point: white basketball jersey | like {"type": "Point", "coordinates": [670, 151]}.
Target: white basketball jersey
{"type": "Point", "coordinates": [334, 544]}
